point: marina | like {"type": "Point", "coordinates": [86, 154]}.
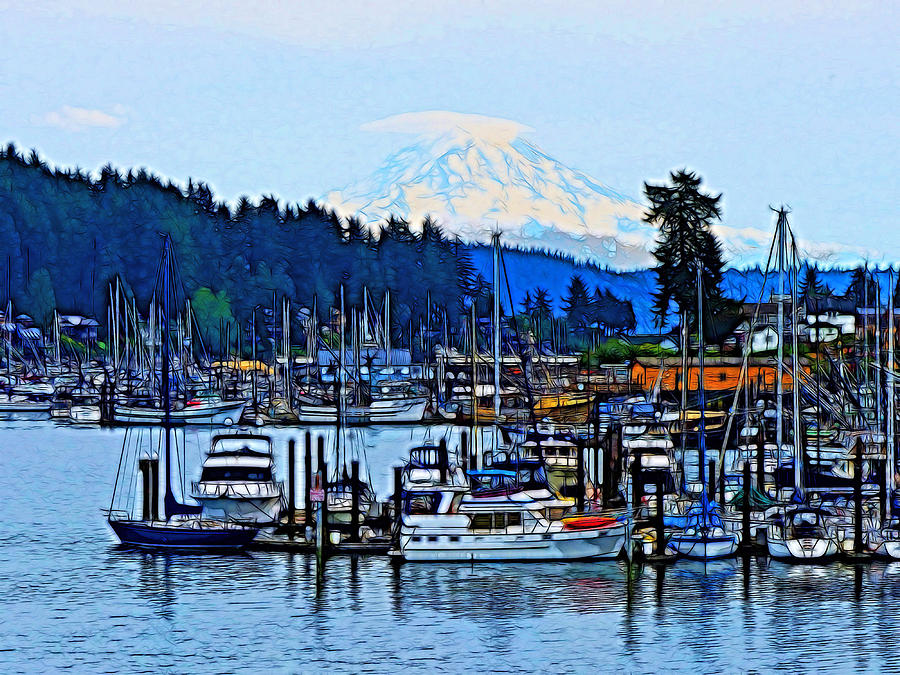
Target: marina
{"type": "Point", "coordinates": [366, 612]}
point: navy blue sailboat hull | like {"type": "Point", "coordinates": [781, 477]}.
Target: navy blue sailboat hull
{"type": "Point", "coordinates": [147, 535]}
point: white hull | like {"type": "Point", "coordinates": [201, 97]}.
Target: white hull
{"type": "Point", "coordinates": [565, 545]}
{"type": "Point", "coordinates": [212, 414]}
{"type": "Point", "coordinates": [802, 550]}
{"type": "Point", "coordinates": [698, 547]}
{"type": "Point", "coordinates": [25, 410]}
{"type": "Point", "coordinates": [84, 414]}
{"type": "Point", "coordinates": [243, 510]}
{"type": "Point", "coordinates": [888, 549]}
{"type": "Point", "coordinates": [379, 412]}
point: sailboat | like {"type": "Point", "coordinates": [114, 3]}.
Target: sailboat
{"type": "Point", "coordinates": [796, 532]}
{"type": "Point", "coordinates": [704, 537]}
{"type": "Point", "coordinates": [181, 526]}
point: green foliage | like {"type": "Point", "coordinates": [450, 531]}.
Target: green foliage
{"type": "Point", "coordinates": [80, 231]}
{"type": "Point", "coordinates": [684, 214]}
{"type": "Point", "coordinates": [212, 312]}
{"type": "Point", "coordinates": [617, 350]}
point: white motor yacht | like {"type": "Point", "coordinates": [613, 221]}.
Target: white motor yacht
{"type": "Point", "coordinates": [450, 523]}
{"type": "Point", "coordinates": [237, 482]}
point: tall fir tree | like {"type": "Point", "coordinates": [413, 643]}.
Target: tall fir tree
{"type": "Point", "coordinates": [684, 215]}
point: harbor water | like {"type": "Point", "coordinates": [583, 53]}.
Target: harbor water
{"type": "Point", "coordinates": [73, 599]}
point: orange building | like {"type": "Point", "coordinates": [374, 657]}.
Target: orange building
{"type": "Point", "coordinates": [719, 373]}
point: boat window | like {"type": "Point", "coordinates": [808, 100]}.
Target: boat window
{"type": "Point", "coordinates": [236, 473]}
{"type": "Point", "coordinates": [432, 538]}
{"type": "Point", "coordinates": [499, 520]}
{"type": "Point", "coordinates": [422, 504]}
{"type": "Point", "coordinates": [514, 519]}
{"type": "Point", "coordinates": [481, 521]}
{"type": "Point", "coordinates": [417, 538]}
{"type": "Point", "coordinates": [454, 538]}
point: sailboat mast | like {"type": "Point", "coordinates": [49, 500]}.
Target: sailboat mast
{"type": "Point", "coordinates": [167, 420]}
{"type": "Point", "coordinates": [878, 356]}
{"type": "Point", "coordinates": [891, 448]}
{"type": "Point", "coordinates": [779, 369]}
{"type": "Point", "coordinates": [496, 322]}
{"type": "Point", "coordinates": [701, 392]}
{"type": "Point", "coordinates": [795, 373]}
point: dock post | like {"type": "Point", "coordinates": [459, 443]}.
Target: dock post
{"type": "Point", "coordinates": [637, 486]}
{"type": "Point", "coordinates": [579, 477]}
{"type": "Point", "coordinates": [596, 450]}
{"type": "Point", "coordinates": [761, 460]}
{"type": "Point", "coordinates": [711, 477]}
{"type": "Point", "coordinates": [322, 468]}
{"type": "Point", "coordinates": [608, 467]}
{"type": "Point", "coordinates": [660, 522]}
{"type": "Point", "coordinates": [307, 482]}
{"type": "Point", "coordinates": [146, 480]}
{"type": "Point", "coordinates": [354, 500]}
{"type": "Point", "coordinates": [721, 478]}
{"type": "Point", "coordinates": [857, 498]}
{"type": "Point", "coordinates": [464, 454]}
{"type": "Point", "coordinates": [292, 498]}
{"type": "Point", "coordinates": [154, 488]}
{"type": "Point", "coordinates": [745, 507]}
{"type": "Point", "coordinates": [443, 460]}
{"type": "Point", "coordinates": [398, 504]}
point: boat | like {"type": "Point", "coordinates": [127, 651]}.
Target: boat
{"type": "Point", "coordinates": [211, 413]}
{"type": "Point", "coordinates": [22, 408]}
{"type": "Point", "coordinates": [384, 411]}
{"type": "Point", "coordinates": [571, 407]}
{"type": "Point", "coordinates": [85, 414]}
{"type": "Point", "coordinates": [704, 536]}
{"type": "Point", "coordinates": [800, 533]}
{"type": "Point", "coordinates": [182, 526]}
{"type": "Point", "coordinates": [448, 523]}
{"type": "Point", "coordinates": [237, 483]}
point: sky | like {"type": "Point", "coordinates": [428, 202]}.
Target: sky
{"type": "Point", "coordinates": [771, 102]}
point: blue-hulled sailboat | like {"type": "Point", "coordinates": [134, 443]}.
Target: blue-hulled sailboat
{"type": "Point", "coordinates": [181, 525]}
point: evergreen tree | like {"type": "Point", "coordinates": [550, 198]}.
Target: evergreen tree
{"type": "Point", "coordinates": [684, 214]}
{"type": "Point", "coordinates": [577, 305]}
{"type": "Point", "coordinates": [862, 288]}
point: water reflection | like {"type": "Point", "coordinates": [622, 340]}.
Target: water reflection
{"type": "Point", "coordinates": [92, 607]}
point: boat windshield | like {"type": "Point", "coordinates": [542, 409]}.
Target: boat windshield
{"type": "Point", "coordinates": [236, 473]}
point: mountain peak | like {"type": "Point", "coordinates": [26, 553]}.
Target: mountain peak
{"type": "Point", "coordinates": [473, 183]}
{"type": "Point", "coordinates": [474, 175]}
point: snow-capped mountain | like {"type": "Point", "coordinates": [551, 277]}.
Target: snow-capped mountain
{"type": "Point", "coordinates": [474, 185]}
{"type": "Point", "coordinates": [477, 178]}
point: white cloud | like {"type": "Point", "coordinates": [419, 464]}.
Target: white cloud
{"type": "Point", "coordinates": [72, 118]}
{"type": "Point", "coordinates": [439, 122]}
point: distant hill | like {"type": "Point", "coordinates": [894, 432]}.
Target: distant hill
{"type": "Point", "coordinates": [528, 269]}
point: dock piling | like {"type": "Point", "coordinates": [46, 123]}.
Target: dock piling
{"type": "Point", "coordinates": [307, 481]}
{"type": "Point", "coordinates": [354, 501]}
{"type": "Point", "coordinates": [637, 485]}
{"type": "Point", "coordinates": [398, 503]}
{"type": "Point", "coordinates": [761, 460]}
{"type": "Point", "coordinates": [579, 477]}
{"type": "Point", "coordinates": [660, 522]}
{"type": "Point", "coordinates": [292, 499]}
{"type": "Point", "coordinates": [857, 498]}
{"type": "Point", "coordinates": [443, 460]}
{"type": "Point", "coordinates": [745, 507]}
{"type": "Point", "coordinates": [322, 469]}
